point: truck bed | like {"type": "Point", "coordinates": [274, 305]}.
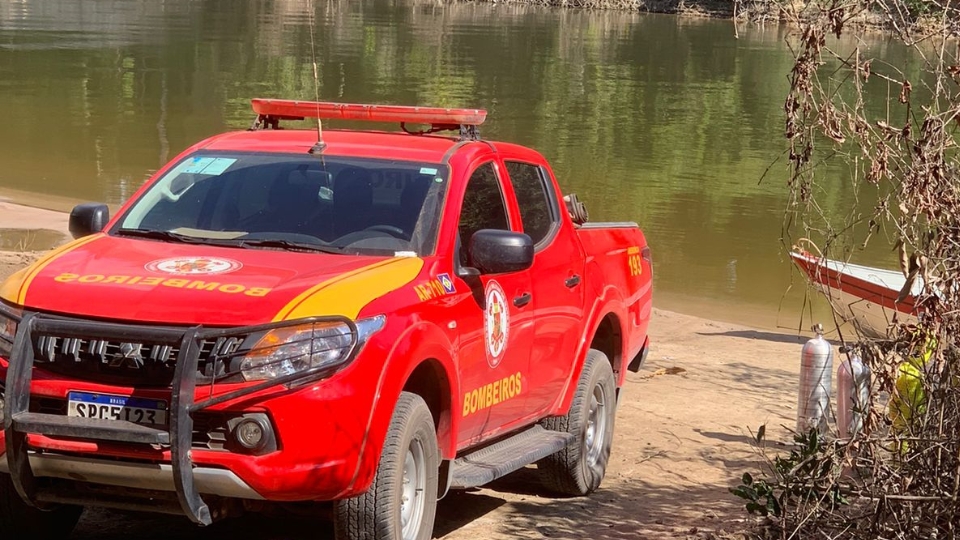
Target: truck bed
{"type": "Point", "coordinates": [617, 257]}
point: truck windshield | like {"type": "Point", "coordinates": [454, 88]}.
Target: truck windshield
{"type": "Point", "coordinates": [298, 202]}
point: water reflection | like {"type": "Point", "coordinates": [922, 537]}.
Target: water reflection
{"type": "Point", "coordinates": [29, 240]}
{"type": "Point", "coordinates": [667, 121]}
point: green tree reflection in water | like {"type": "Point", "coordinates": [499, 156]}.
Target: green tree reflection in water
{"type": "Point", "coordinates": [666, 121]}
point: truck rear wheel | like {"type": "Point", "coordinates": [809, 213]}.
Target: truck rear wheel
{"type": "Point", "coordinates": [401, 504]}
{"type": "Point", "coordinates": [20, 520]}
{"type": "Point", "coordinates": [579, 468]}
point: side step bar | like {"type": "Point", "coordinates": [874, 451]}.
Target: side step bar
{"type": "Point", "coordinates": [502, 458]}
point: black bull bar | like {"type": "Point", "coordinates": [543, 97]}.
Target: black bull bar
{"type": "Point", "coordinates": [19, 421]}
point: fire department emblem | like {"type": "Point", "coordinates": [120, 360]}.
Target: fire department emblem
{"type": "Point", "coordinates": [496, 323]}
{"type": "Point", "coordinates": [194, 266]}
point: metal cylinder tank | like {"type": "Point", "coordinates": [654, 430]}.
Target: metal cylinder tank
{"type": "Point", "coordinates": [853, 395]}
{"type": "Point", "coordinates": [816, 377]}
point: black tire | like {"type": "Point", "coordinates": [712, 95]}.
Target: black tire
{"type": "Point", "coordinates": [579, 468]}
{"type": "Point", "coordinates": [19, 520]}
{"type": "Point", "coordinates": [377, 514]}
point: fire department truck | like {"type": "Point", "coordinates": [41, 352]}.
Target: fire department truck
{"type": "Point", "coordinates": [364, 318]}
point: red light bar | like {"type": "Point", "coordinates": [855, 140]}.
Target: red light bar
{"type": "Point", "coordinates": [284, 108]}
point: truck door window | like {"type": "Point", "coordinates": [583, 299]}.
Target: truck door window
{"type": "Point", "coordinates": [534, 198]}
{"type": "Point", "coordinates": [483, 206]}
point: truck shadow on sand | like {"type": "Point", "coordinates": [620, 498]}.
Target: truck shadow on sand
{"type": "Point", "coordinates": [775, 337]}
{"type": "Point", "coordinates": [513, 507]}
{"type": "Point", "coordinates": [621, 508]}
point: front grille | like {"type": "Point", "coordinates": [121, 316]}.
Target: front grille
{"type": "Point", "coordinates": [210, 429]}
{"type": "Point", "coordinates": [126, 363]}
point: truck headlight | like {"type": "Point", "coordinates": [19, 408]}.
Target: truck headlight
{"type": "Point", "coordinates": [9, 318]}
{"type": "Point", "coordinates": [296, 349]}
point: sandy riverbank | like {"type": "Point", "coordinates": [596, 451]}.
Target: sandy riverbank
{"type": "Point", "coordinates": [683, 438]}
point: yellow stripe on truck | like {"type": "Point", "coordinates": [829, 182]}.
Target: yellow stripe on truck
{"type": "Point", "coordinates": [10, 289]}
{"type": "Point", "coordinates": [348, 293]}
{"type": "Point", "coordinates": [15, 288]}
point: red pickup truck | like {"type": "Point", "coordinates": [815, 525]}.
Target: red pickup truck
{"type": "Point", "coordinates": [365, 318]}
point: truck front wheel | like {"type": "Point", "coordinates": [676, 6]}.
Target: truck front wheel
{"type": "Point", "coordinates": [20, 520]}
{"type": "Point", "coordinates": [579, 468]}
{"type": "Point", "coordinates": [401, 504]}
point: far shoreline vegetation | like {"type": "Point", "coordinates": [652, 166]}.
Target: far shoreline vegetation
{"type": "Point", "coordinates": [918, 12]}
{"type": "Point", "coordinates": [710, 8]}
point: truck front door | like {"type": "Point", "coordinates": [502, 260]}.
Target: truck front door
{"type": "Point", "coordinates": [496, 321]}
{"type": "Point", "coordinates": [558, 294]}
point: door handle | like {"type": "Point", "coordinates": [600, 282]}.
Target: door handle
{"type": "Point", "coordinates": [572, 281]}
{"type": "Point", "coordinates": [522, 300]}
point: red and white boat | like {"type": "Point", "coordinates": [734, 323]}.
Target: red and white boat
{"type": "Point", "coordinates": [864, 296]}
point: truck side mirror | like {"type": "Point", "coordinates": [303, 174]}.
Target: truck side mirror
{"type": "Point", "coordinates": [88, 218]}
{"type": "Point", "coordinates": [494, 251]}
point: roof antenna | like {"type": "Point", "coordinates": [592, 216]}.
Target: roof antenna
{"type": "Point", "coordinates": [320, 145]}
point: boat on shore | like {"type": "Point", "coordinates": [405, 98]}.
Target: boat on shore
{"type": "Point", "coordinates": [864, 296]}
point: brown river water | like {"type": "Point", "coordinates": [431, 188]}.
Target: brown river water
{"type": "Point", "coordinates": [672, 122]}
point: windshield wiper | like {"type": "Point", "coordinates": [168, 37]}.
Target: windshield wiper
{"type": "Point", "coordinates": [287, 244]}
{"type": "Point", "coordinates": [156, 234]}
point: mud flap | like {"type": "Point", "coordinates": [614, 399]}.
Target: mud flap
{"type": "Point", "coordinates": [640, 358]}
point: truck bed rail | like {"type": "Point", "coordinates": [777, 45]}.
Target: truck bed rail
{"type": "Point", "coordinates": [609, 225]}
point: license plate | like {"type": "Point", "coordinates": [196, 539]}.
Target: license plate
{"type": "Point", "coordinates": [108, 407]}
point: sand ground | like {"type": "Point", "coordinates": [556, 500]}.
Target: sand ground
{"type": "Point", "coordinates": [683, 437]}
